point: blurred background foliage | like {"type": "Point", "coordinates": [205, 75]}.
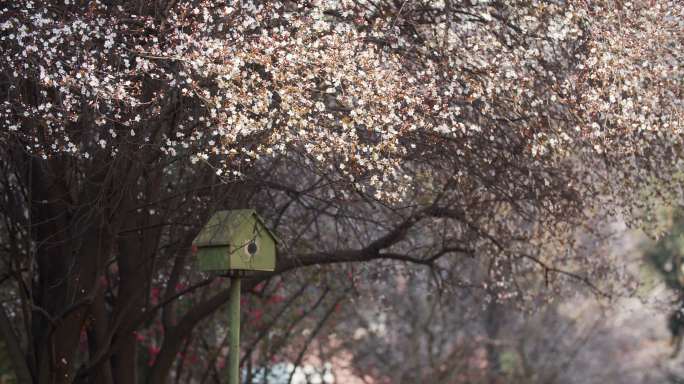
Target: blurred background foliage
{"type": "Point", "coordinates": [666, 256]}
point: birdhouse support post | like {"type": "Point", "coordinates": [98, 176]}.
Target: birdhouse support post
{"type": "Point", "coordinates": [234, 316]}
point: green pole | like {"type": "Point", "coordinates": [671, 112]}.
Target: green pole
{"type": "Point", "coordinates": [234, 309]}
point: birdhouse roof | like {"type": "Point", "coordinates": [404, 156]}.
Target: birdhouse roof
{"type": "Point", "coordinates": [223, 225]}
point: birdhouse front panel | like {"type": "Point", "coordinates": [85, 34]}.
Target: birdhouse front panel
{"type": "Point", "coordinates": [252, 248]}
{"type": "Point", "coordinates": [236, 240]}
{"type": "Point", "coordinates": [213, 258]}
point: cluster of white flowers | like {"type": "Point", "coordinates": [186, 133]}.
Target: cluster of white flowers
{"type": "Point", "coordinates": [347, 89]}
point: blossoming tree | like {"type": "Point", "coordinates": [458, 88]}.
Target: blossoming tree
{"type": "Point", "coordinates": [415, 131]}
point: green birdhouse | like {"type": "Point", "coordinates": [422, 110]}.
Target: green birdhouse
{"type": "Point", "coordinates": [236, 240]}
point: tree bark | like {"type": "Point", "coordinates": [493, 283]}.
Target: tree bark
{"type": "Point", "coordinates": [16, 354]}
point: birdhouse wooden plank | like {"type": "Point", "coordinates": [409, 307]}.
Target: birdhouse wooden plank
{"type": "Point", "coordinates": [236, 240]}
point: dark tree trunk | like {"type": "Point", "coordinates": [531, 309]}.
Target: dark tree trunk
{"type": "Point", "coordinates": [73, 237]}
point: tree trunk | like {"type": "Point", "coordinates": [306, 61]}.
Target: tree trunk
{"type": "Point", "coordinates": [97, 335]}
{"type": "Point", "coordinates": [492, 325]}
{"type": "Point", "coordinates": [16, 355]}
{"type": "Point", "coordinates": [73, 237]}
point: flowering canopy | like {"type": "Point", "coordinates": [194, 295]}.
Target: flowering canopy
{"type": "Point", "coordinates": [351, 89]}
